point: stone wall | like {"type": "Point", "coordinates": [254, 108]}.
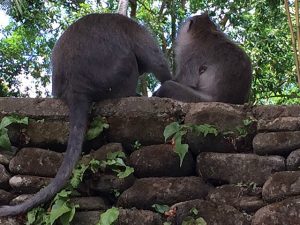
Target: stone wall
{"type": "Point", "coordinates": [234, 178]}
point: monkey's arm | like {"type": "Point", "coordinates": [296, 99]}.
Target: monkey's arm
{"type": "Point", "coordinates": [174, 90]}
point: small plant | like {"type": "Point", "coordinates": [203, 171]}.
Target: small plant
{"type": "Point", "coordinates": [109, 217]}
{"type": "Point", "coordinates": [161, 208]}
{"type": "Point", "coordinates": [61, 209]}
{"type": "Point", "coordinates": [137, 145]}
{"type": "Point", "coordinates": [116, 163]}
{"type": "Point", "coordinates": [5, 122]}
{"type": "Point", "coordinates": [96, 128]}
{"type": "Point", "coordinates": [176, 131]}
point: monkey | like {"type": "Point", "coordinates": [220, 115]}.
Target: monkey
{"type": "Point", "coordinates": [98, 57]}
{"type": "Point", "coordinates": [209, 66]}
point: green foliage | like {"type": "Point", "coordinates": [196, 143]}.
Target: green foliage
{"type": "Point", "coordinates": [61, 208]}
{"type": "Point", "coordinates": [192, 221]}
{"type": "Point", "coordinates": [137, 145]}
{"type": "Point", "coordinates": [96, 128]}
{"type": "Point", "coordinates": [161, 208]}
{"type": "Point", "coordinates": [5, 122]}
{"type": "Point", "coordinates": [109, 217]}
{"type": "Point", "coordinates": [116, 163]}
{"type": "Point", "coordinates": [176, 131]}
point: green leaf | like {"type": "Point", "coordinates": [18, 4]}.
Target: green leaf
{"type": "Point", "coordinates": [7, 120]}
{"type": "Point", "coordinates": [109, 216]}
{"type": "Point", "coordinates": [128, 170]}
{"type": "Point", "coordinates": [171, 129]}
{"type": "Point", "coordinates": [4, 140]}
{"type": "Point", "coordinates": [167, 223]}
{"type": "Point", "coordinates": [181, 150]}
{"type": "Point", "coordinates": [115, 155]}
{"type": "Point", "coordinates": [194, 211]}
{"type": "Point", "coordinates": [96, 128]}
{"type": "Point", "coordinates": [204, 129]}
{"type": "Point", "coordinates": [78, 175]}
{"type": "Point", "coordinates": [161, 208]}
{"type": "Point", "coordinates": [67, 217]}
{"type": "Point", "coordinates": [200, 221]}
{"type": "Point", "coordinates": [59, 208]}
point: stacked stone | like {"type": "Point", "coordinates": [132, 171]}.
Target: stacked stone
{"type": "Point", "coordinates": [228, 178]}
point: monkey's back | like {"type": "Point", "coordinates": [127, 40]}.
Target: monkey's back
{"type": "Point", "coordinates": [227, 68]}
{"type": "Point", "coordinates": [91, 51]}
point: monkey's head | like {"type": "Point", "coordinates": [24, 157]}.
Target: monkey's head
{"type": "Point", "coordinates": [199, 25]}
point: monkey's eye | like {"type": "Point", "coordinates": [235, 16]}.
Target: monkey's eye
{"type": "Point", "coordinates": [202, 69]}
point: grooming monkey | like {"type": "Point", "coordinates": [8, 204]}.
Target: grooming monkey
{"type": "Point", "coordinates": [210, 67]}
{"type": "Point", "coordinates": [100, 56]}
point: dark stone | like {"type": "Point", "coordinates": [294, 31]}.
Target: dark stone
{"type": "Point", "coordinates": [47, 132]}
{"type": "Point", "coordinates": [91, 203]}
{"type": "Point", "coordinates": [107, 183]}
{"type": "Point", "coordinates": [278, 143]}
{"type": "Point", "coordinates": [281, 185]}
{"type": "Point", "coordinates": [5, 197]}
{"type": "Point", "coordinates": [293, 160]}
{"type": "Point", "coordinates": [127, 118]}
{"type": "Point", "coordinates": [4, 177]}
{"type": "Point", "coordinates": [148, 191]}
{"type": "Point", "coordinates": [160, 161]}
{"type": "Point", "coordinates": [225, 118]}
{"type": "Point", "coordinates": [126, 217]}
{"type": "Point", "coordinates": [286, 212]}
{"type": "Point", "coordinates": [270, 112]}
{"type": "Point", "coordinates": [36, 162]}
{"type": "Point", "coordinates": [28, 184]}
{"type": "Point", "coordinates": [212, 213]}
{"type": "Point", "coordinates": [10, 221]}
{"type": "Point", "coordinates": [238, 168]}
{"type": "Point", "coordinates": [101, 153]}
{"type": "Point", "coordinates": [19, 199]}
{"type": "Point", "coordinates": [243, 198]}
{"type": "Point", "coordinates": [279, 124]}
{"type": "Point", "coordinates": [4, 159]}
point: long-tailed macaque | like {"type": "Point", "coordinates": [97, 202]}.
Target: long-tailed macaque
{"type": "Point", "coordinates": [98, 57]}
{"type": "Point", "coordinates": [210, 67]}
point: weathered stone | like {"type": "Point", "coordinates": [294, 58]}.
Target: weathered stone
{"type": "Point", "coordinates": [101, 153]}
{"type": "Point", "coordinates": [4, 177]}
{"type": "Point", "coordinates": [19, 199]}
{"type": "Point", "coordinates": [226, 118]}
{"type": "Point", "coordinates": [280, 143]}
{"type": "Point", "coordinates": [5, 197]}
{"type": "Point", "coordinates": [36, 162]}
{"type": "Point", "coordinates": [236, 168]}
{"type": "Point", "coordinates": [45, 132]}
{"type": "Point", "coordinates": [28, 184]}
{"type": "Point", "coordinates": [160, 161]}
{"type": "Point", "coordinates": [212, 213]}
{"type": "Point", "coordinates": [281, 185]}
{"type": "Point", "coordinates": [33, 107]}
{"type": "Point", "coordinates": [293, 160]}
{"type": "Point", "coordinates": [148, 191]}
{"type": "Point", "coordinates": [269, 112]}
{"type": "Point", "coordinates": [279, 124]}
{"type": "Point", "coordinates": [126, 217]}
{"type": "Point", "coordinates": [107, 183]}
{"type": "Point", "coordinates": [127, 118]}
{"type": "Point", "coordinates": [91, 203]}
{"type": "Point", "coordinates": [242, 198]}
{"type": "Point", "coordinates": [4, 159]}
{"type": "Point", "coordinates": [10, 221]}
{"type": "Point", "coordinates": [286, 212]}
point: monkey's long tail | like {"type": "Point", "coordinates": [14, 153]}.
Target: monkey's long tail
{"type": "Point", "coordinates": [78, 124]}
